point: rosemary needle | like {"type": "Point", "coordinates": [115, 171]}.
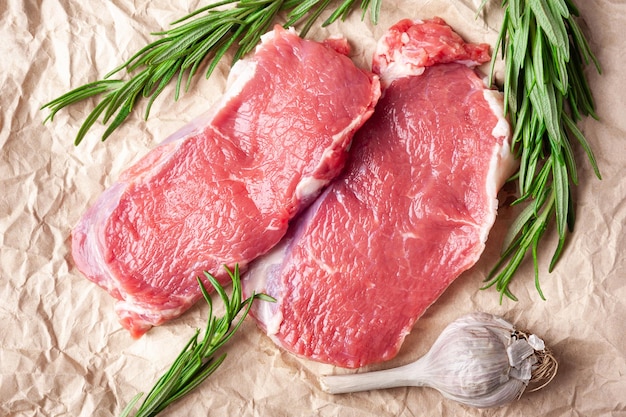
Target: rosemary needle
{"type": "Point", "coordinates": [546, 94]}
{"type": "Point", "coordinates": [205, 35]}
{"type": "Point", "coordinates": [197, 360]}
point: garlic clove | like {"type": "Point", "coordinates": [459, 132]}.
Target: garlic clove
{"type": "Point", "coordinates": [479, 360]}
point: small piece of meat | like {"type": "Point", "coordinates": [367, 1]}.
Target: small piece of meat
{"type": "Point", "coordinates": [411, 212]}
{"type": "Point", "coordinates": [222, 190]}
{"type": "Point", "coordinates": [409, 47]}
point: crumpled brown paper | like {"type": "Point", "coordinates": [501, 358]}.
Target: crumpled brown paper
{"type": "Point", "coordinates": [62, 352]}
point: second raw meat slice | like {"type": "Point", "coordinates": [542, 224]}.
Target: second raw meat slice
{"type": "Point", "coordinates": [410, 213]}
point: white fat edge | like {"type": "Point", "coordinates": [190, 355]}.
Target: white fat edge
{"type": "Point", "coordinates": [243, 70]}
{"type": "Point", "coordinates": [152, 316]}
{"type": "Point", "coordinates": [396, 70]}
{"type": "Point", "coordinates": [95, 240]}
{"type": "Point", "coordinates": [270, 35]}
{"type": "Point", "coordinates": [467, 62]}
{"type": "Point", "coordinates": [502, 163]}
{"type": "Point", "coordinates": [240, 74]}
{"type": "Point", "coordinates": [310, 186]}
{"type": "Point", "coordinates": [502, 128]}
{"type": "Point", "coordinates": [396, 66]}
{"type": "Point", "coordinates": [254, 281]}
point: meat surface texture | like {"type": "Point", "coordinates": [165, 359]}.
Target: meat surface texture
{"type": "Point", "coordinates": [222, 190]}
{"type": "Point", "coordinates": [410, 213]}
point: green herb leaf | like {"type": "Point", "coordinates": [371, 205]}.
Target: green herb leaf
{"type": "Point", "coordinates": [196, 362]}
{"type": "Point", "coordinates": [546, 82]}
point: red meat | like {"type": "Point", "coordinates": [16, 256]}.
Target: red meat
{"type": "Point", "coordinates": [411, 212]}
{"type": "Point", "coordinates": [222, 190]}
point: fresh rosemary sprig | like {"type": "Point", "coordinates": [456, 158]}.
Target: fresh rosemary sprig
{"type": "Point", "coordinates": [207, 34]}
{"type": "Point", "coordinates": [197, 360]}
{"type": "Point", "coordinates": [546, 94]}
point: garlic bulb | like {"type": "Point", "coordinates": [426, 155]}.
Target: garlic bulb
{"type": "Point", "coordinates": [479, 360]}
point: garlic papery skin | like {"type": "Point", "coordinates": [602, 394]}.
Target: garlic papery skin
{"type": "Point", "coordinates": [479, 360]}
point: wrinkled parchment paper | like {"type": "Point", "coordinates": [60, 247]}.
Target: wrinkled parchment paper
{"type": "Point", "coordinates": [62, 351]}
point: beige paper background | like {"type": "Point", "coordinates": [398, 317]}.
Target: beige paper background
{"type": "Point", "coordinates": [62, 352]}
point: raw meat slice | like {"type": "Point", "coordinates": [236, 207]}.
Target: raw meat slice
{"type": "Point", "coordinates": [222, 190]}
{"type": "Point", "coordinates": [410, 213]}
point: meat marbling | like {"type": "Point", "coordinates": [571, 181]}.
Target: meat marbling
{"type": "Point", "coordinates": [222, 190]}
{"type": "Point", "coordinates": [411, 212]}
